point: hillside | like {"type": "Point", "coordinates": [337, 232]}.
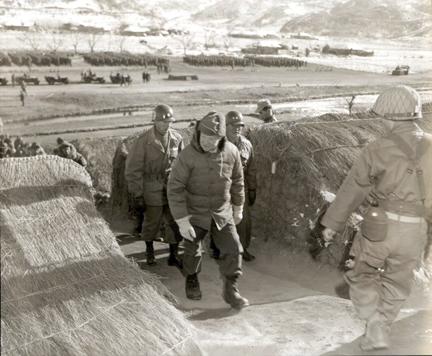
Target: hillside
{"type": "Point", "coordinates": [364, 18]}
{"type": "Point", "coordinates": [367, 18]}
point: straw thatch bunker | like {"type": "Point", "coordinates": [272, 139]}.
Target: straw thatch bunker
{"type": "Point", "coordinates": [66, 288]}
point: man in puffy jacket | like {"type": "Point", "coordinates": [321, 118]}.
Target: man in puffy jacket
{"type": "Point", "coordinates": [206, 194]}
{"type": "Point", "coordinates": [147, 168]}
{"type": "Point", "coordinates": [397, 171]}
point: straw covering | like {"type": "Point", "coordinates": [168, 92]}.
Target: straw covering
{"type": "Point", "coordinates": [66, 288]}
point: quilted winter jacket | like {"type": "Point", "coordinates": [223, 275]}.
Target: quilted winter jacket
{"type": "Point", "coordinates": [205, 185]}
{"type": "Point", "coordinates": [384, 171]}
{"type": "Point", "coordinates": [148, 165]}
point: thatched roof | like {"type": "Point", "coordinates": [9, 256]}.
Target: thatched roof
{"type": "Point", "coordinates": [66, 287]}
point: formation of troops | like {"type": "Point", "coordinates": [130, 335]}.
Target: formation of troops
{"type": "Point", "coordinates": [247, 61]}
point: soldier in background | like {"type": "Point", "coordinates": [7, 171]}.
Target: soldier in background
{"type": "Point", "coordinates": [67, 150]}
{"type": "Point", "coordinates": [234, 125]}
{"type": "Point", "coordinates": [148, 165]}
{"type": "Point", "coordinates": [397, 171]}
{"type": "Point", "coordinates": [265, 111]}
{"type": "Point", "coordinates": [206, 195]}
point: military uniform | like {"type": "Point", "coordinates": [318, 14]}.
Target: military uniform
{"type": "Point", "coordinates": [245, 148]}
{"type": "Point", "coordinates": [147, 168]}
{"type": "Point", "coordinates": [381, 279]}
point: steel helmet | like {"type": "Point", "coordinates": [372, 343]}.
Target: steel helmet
{"type": "Point", "coordinates": [399, 103]}
{"type": "Point", "coordinates": [163, 112]}
{"type": "Point", "coordinates": [263, 103]}
{"type": "Point", "coordinates": [234, 118]}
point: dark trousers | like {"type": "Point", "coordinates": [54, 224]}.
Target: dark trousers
{"type": "Point", "coordinates": [244, 229]}
{"type": "Point", "coordinates": [226, 240]}
{"type": "Point", "coordinates": [153, 217]}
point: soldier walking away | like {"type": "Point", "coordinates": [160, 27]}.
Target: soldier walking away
{"type": "Point", "coordinates": [265, 111]}
{"type": "Point", "coordinates": [22, 97]}
{"type": "Point", "coordinates": [396, 170]}
{"type": "Point", "coordinates": [205, 192]}
{"type": "Point", "coordinates": [234, 125]}
{"type": "Point", "coordinates": [148, 165]}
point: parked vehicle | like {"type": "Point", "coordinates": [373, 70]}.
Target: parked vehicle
{"type": "Point", "coordinates": [401, 70]}
{"type": "Point", "coordinates": [27, 79]}
{"type": "Point", "coordinates": [121, 79]}
{"type": "Point", "coordinates": [51, 80]}
{"type": "Point", "coordinates": [90, 77]}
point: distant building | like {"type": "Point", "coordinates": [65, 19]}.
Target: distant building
{"type": "Point", "coordinates": [261, 50]}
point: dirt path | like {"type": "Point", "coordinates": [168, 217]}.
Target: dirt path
{"type": "Point", "coordinates": [294, 310]}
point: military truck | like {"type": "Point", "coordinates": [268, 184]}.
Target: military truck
{"type": "Point", "coordinates": [401, 70]}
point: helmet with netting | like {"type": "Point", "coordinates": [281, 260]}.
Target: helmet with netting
{"type": "Point", "coordinates": [399, 103]}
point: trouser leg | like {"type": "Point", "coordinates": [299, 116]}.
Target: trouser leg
{"type": "Point", "coordinates": [410, 240]}
{"type": "Point", "coordinates": [192, 256]}
{"type": "Point", "coordinates": [228, 242]}
{"type": "Point", "coordinates": [152, 220]}
{"type": "Point", "coordinates": [244, 228]}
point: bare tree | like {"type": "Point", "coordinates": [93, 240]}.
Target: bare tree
{"type": "Point", "coordinates": [55, 39]}
{"type": "Point", "coordinates": [227, 43]}
{"type": "Point", "coordinates": [121, 43]}
{"type": "Point", "coordinates": [76, 40]}
{"type": "Point", "coordinates": [31, 39]}
{"type": "Point", "coordinates": [186, 40]}
{"type": "Point", "coordinates": [209, 39]}
{"type": "Point", "coordinates": [92, 40]}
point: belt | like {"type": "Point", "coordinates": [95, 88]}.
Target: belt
{"type": "Point", "coordinates": [402, 218]}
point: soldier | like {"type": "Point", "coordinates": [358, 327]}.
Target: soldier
{"type": "Point", "coordinates": [147, 168]}
{"type": "Point", "coordinates": [265, 111]}
{"type": "Point", "coordinates": [206, 194]}
{"type": "Point", "coordinates": [234, 125]}
{"type": "Point", "coordinates": [67, 150]}
{"type": "Point", "coordinates": [394, 170]}
{"type": "Point", "coordinates": [36, 149]}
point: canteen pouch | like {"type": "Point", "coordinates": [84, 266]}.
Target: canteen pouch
{"type": "Point", "coordinates": [375, 224]}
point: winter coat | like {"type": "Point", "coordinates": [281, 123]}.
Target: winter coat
{"type": "Point", "coordinates": [206, 185]}
{"type": "Point", "coordinates": [384, 171]}
{"type": "Point", "coordinates": [148, 165]}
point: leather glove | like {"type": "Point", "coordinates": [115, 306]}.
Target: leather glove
{"type": "Point", "coordinates": [186, 229]}
{"type": "Point", "coordinates": [237, 214]}
{"type": "Point", "coordinates": [139, 202]}
{"type": "Point", "coordinates": [328, 234]}
{"type": "Point", "coordinates": [252, 197]}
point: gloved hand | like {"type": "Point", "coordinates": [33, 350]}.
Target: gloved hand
{"type": "Point", "coordinates": [328, 234]}
{"type": "Point", "coordinates": [186, 229]}
{"type": "Point", "coordinates": [252, 197]}
{"type": "Point", "coordinates": [237, 214]}
{"type": "Point", "coordinates": [139, 202]}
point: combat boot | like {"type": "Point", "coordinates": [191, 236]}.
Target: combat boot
{"type": "Point", "coordinates": [248, 256]}
{"type": "Point", "coordinates": [150, 256]}
{"type": "Point", "coordinates": [173, 259]}
{"type": "Point", "coordinates": [376, 336]}
{"type": "Point", "coordinates": [231, 294]}
{"type": "Point", "coordinates": [193, 290]}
